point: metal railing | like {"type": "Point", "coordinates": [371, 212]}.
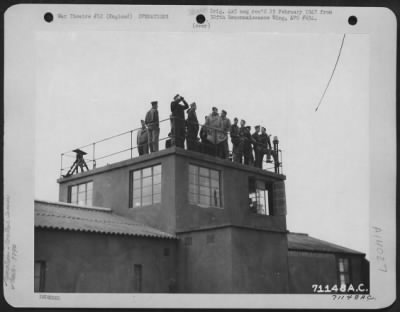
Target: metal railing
{"type": "Point", "coordinates": [125, 146]}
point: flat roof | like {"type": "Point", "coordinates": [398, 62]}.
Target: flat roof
{"type": "Point", "coordinates": [173, 151]}
{"type": "Point", "coordinates": [63, 216]}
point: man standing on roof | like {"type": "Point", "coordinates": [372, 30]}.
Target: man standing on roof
{"type": "Point", "coordinates": [223, 147]}
{"type": "Point", "coordinates": [257, 147]}
{"type": "Point", "coordinates": [245, 143]}
{"type": "Point", "coordinates": [142, 139]}
{"type": "Point", "coordinates": [235, 141]}
{"type": "Point", "coordinates": [178, 120]}
{"type": "Point", "coordinates": [153, 126]}
{"type": "Point", "coordinates": [214, 126]}
{"type": "Point", "coordinates": [192, 125]}
{"type": "Point", "coordinates": [266, 145]}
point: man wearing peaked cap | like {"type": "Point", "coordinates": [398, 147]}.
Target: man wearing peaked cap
{"type": "Point", "coordinates": [192, 126]}
{"type": "Point", "coordinates": [153, 126]}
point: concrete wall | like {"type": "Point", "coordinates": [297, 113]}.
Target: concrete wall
{"type": "Point", "coordinates": [87, 262]}
{"type": "Point", "coordinates": [308, 268]}
{"type": "Point", "coordinates": [259, 261]}
{"type": "Point", "coordinates": [205, 264]}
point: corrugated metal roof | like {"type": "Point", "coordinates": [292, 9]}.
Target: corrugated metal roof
{"type": "Point", "coordinates": [303, 242]}
{"type": "Point", "coordinates": [56, 215]}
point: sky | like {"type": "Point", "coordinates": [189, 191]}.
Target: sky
{"type": "Point", "coordinates": [95, 84]}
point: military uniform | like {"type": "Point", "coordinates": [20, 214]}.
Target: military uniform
{"type": "Point", "coordinates": [192, 126]}
{"type": "Point", "coordinates": [153, 127]}
{"type": "Point", "coordinates": [178, 122]}
{"type": "Point", "coordinates": [235, 139]}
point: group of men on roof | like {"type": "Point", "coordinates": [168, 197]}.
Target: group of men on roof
{"type": "Point", "coordinates": [213, 134]}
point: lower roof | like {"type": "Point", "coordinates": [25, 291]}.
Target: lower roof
{"type": "Point", "coordinates": [63, 216]}
{"type": "Point", "coordinates": [303, 242]}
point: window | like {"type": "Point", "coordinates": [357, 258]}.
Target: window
{"type": "Point", "coordinates": [39, 276]}
{"type": "Point", "coordinates": [344, 271]}
{"type": "Point", "coordinates": [146, 186]}
{"type": "Point", "coordinates": [81, 194]}
{"type": "Point", "coordinates": [260, 197]}
{"type": "Point", "coordinates": [137, 277]}
{"type": "Point", "coordinates": [204, 186]}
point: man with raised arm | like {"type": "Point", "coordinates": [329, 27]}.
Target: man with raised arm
{"type": "Point", "coordinates": [178, 120]}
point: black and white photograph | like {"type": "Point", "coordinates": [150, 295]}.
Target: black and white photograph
{"type": "Point", "coordinates": [235, 151]}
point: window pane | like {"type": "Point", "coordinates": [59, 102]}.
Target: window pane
{"type": "Point", "coordinates": [204, 181]}
{"type": "Point", "coordinates": [157, 179]}
{"type": "Point", "coordinates": [136, 175]}
{"type": "Point", "coordinates": [81, 198]}
{"type": "Point", "coordinates": [74, 194]}
{"type": "Point", "coordinates": [146, 200]}
{"type": "Point", "coordinates": [214, 175]}
{"type": "Point", "coordinates": [193, 179]}
{"type": "Point", "coordinates": [147, 191]}
{"type": "Point", "coordinates": [193, 198]}
{"type": "Point", "coordinates": [204, 200]}
{"type": "Point", "coordinates": [157, 198]}
{"type": "Point", "coordinates": [204, 172]}
{"type": "Point", "coordinates": [136, 202]}
{"type": "Point", "coordinates": [82, 188]}
{"type": "Point", "coordinates": [341, 265]}
{"type": "Point", "coordinates": [136, 193]}
{"type": "Point", "coordinates": [204, 191]}
{"type": "Point", "coordinates": [215, 183]}
{"type": "Point", "coordinates": [193, 188]}
{"type": "Point", "coordinates": [146, 172]}
{"type": "Point", "coordinates": [342, 279]}
{"type": "Point", "coordinates": [136, 184]}
{"type": "Point", "coordinates": [89, 201]}
{"type": "Point", "coordinates": [147, 181]}
{"type": "Point", "coordinates": [192, 169]}
{"type": "Point", "coordinates": [89, 186]}
{"type": "Point", "coordinates": [346, 264]}
{"type": "Point", "coordinates": [157, 170]}
{"type": "Point", "coordinates": [157, 189]}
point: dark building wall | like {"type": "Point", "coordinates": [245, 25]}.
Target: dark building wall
{"type": "Point", "coordinates": [233, 260]}
{"type": "Point", "coordinates": [260, 262]}
{"type": "Point", "coordinates": [205, 261]}
{"type": "Point", "coordinates": [111, 190]}
{"type": "Point", "coordinates": [87, 262]}
{"type": "Point", "coordinates": [309, 268]}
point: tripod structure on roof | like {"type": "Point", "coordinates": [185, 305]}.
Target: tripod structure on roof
{"type": "Point", "coordinates": [79, 163]}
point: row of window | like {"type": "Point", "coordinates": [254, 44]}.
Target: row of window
{"type": "Point", "coordinates": [204, 189]}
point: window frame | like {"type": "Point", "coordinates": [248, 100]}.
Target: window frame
{"type": "Point", "coordinates": [344, 272]}
{"type": "Point", "coordinates": [198, 185]}
{"type": "Point", "coordinates": [268, 195]}
{"type": "Point", "coordinates": [152, 184]}
{"type": "Point", "coordinates": [41, 275]}
{"type": "Point", "coordinates": [70, 187]}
